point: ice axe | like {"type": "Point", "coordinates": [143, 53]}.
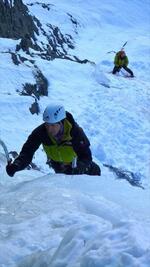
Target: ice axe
{"type": "Point", "coordinates": [120, 49]}
{"type": "Point", "coordinates": [5, 151]}
{"type": "Point", "coordinates": [124, 44]}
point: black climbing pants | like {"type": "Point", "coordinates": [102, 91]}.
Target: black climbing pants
{"type": "Point", "coordinates": [117, 69]}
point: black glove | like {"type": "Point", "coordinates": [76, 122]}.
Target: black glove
{"type": "Point", "coordinates": [11, 169]}
{"type": "Point", "coordinates": [82, 167]}
{"type": "Point", "coordinates": [87, 167]}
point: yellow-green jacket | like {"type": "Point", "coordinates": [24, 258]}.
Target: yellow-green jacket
{"type": "Point", "coordinates": [120, 62]}
{"type": "Point", "coordinates": [74, 143]}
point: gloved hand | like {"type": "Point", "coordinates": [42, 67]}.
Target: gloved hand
{"type": "Point", "coordinates": [82, 167]}
{"type": "Point", "coordinates": [11, 168]}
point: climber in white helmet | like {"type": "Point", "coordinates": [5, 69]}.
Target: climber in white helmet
{"type": "Point", "coordinates": [64, 142]}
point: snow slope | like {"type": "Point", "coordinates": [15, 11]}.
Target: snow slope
{"type": "Point", "coordinates": [60, 220]}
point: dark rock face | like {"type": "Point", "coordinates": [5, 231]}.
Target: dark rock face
{"type": "Point", "coordinates": [41, 82]}
{"type": "Point", "coordinates": [34, 109]}
{"type": "Point", "coordinates": [40, 88]}
{"type": "Point", "coordinates": [15, 22]}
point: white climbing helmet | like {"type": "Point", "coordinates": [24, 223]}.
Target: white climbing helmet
{"type": "Point", "coordinates": [54, 113]}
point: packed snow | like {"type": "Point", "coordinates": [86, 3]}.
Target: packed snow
{"type": "Point", "coordinates": [52, 220]}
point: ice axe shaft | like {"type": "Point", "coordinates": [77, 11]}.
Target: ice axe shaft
{"type": "Point", "coordinates": [5, 150]}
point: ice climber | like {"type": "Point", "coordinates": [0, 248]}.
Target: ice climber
{"type": "Point", "coordinates": [64, 142]}
{"type": "Point", "coordinates": [121, 61]}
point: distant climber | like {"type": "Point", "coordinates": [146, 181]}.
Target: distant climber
{"type": "Point", "coordinates": [121, 61]}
